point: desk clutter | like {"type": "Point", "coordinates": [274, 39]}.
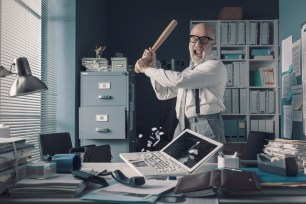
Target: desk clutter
{"type": "Point", "coordinates": [118, 64]}
{"type": "Point", "coordinates": [14, 155]}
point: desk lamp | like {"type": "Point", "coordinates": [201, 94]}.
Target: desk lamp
{"type": "Point", "coordinates": [25, 82]}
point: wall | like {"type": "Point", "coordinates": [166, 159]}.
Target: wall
{"type": "Point", "coordinates": [131, 26]}
{"type": "Point", "coordinates": [292, 15]}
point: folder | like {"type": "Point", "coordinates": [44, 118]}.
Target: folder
{"type": "Point", "coordinates": [270, 126]}
{"type": "Point", "coordinates": [243, 101]}
{"type": "Point", "coordinates": [229, 69]}
{"type": "Point", "coordinates": [262, 125]}
{"type": "Point", "coordinates": [236, 74]}
{"type": "Point", "coordinates": [235, 101]}
{"type": "Point", "coordinates": [241, 33]}
{"type": "Point", "coordinates": [262, 102]}
{"type": "Point", "coordinates": [254, 101]}
{"type": "Point", "coordinates": [234, 131]}
{"type": "Point", "coordinates": [253, 33]}
{"type": "Point", "coordinates": [271, 101]}
{"type": "Point", "coordinates": [243, 74]}
{"type": "Point", "coordinates": [232, 33]}
{"type": "Point", "coordinates": [264, 33]}
{"type": "Point", "coordinates": [227, 130]}
{"type": "Point", "coordinates": [224, 33]}
{"type": "Point", "coordinates": [241, 130]}
{"type": "Point", "coordinates": [254, 125]}
{"type": "Point", "coordinates": [228, 100]}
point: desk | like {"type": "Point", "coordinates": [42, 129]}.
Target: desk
{"type": "Point", "coordinates": [276, 199]}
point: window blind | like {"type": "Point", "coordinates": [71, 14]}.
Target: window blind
{"type": "Point", "coordinates": [21, 35]}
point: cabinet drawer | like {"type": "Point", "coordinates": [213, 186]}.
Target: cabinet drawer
{"type": "Point", "coordinates": [104, 90]}
{"type": "Point", "coordinates": [102, 122]}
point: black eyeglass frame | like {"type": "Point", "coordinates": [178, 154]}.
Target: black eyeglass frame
{"type": "Point", "coordinates": [200, 39]}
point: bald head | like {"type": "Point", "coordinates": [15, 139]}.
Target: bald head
{"type": "Point", "coordinates": [202, 29]}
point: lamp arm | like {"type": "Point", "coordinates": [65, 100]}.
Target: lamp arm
{"type": "Point", "coordinates": [5, 72]}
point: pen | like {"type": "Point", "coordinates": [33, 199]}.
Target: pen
{"type": "Point", "coordinates": [221, 154]}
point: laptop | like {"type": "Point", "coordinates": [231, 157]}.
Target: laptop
{"type": "Point", "coordinates": [181, 156]}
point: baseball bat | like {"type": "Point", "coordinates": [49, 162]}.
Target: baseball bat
{"type": "Point", "coordinates": [162, 37]}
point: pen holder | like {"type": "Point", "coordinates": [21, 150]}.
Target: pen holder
{"type": "Point", "coordinates": [228, 161]}
{"type": "Point", "coordinates": [65, 163]}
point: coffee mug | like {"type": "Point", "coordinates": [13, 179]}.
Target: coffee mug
{"type": "Point", "coordinates": [65, 163]}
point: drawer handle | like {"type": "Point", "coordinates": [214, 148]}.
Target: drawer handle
{"type": "Point", "coordinates": [103, 130]}
{"type": "Point", "coordinates": [105, 97]}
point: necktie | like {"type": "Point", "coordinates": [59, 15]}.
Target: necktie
{"type": "Point", "coordinates": [182, 111]}
{"type": "Point", "coordinates": [182, 106]}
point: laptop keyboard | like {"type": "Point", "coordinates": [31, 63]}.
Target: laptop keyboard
{"type": "Point", "coordinates": [161, 163]}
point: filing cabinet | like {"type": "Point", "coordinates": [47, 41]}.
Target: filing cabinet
{"type": "Point", "coordinates": [107, 113]}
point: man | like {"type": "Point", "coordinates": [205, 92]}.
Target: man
{"type": "Point", "coordinates": [200, 112]}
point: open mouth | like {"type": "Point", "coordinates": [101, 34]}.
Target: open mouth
{"type": "Point", "coordinates": [198, 53]}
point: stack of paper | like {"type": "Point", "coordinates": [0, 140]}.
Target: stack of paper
{"type": "Point", "coordinates": [119, 193]}
{"type": "Point", "coordinates": [281, 147]}
{"type": "Point", "coordinates": [14, 154]}
{"type": "Point", "coordinates": [59, 186]}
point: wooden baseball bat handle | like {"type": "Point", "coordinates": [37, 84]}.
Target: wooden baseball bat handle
{"type": "Point", "coordinates": [164, 35]}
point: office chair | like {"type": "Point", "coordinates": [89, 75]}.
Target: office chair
{"type": "Point", "coordinates": [54, 143]}
{"type": "Point", "coordinates": [255, 144]}
{"type": "Point", "coordinates": [60, 143]}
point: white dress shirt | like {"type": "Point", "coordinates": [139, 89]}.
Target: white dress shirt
{"type": "Point", "coordinates": [209, 77]}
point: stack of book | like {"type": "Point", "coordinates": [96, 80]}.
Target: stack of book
{"type": "Point", "coordinates": [14, 154]}
{"type": "Point", "coordinates": [59, 186]}
{"type": "Point", "coordinates": [263, 76]}
{"type": "Point", "coordinates": [281, 147]}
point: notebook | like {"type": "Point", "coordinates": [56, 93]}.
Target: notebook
{"type": "Point", "coordinates": [181, 156]}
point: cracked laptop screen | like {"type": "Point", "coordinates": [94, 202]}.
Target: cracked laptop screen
{"type": "Point", "coordinates": [189, 149]}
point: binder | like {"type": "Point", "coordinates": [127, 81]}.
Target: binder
{"type": "Point", "coordinates": [229, 69]}
{"type": "Point", "coordinates": [228, 100]}
{"type": "Point", "coordinates": [262, 125]}
{"type": "Point", "coordinates": [236, 74]}
{"type": "Point", "coordinates": [224, 33]}
{"type": "Point", "coordinates": [270, 126]}
{"type": "Point", "coordinates": [235, 101]}
{"type": "Point", "coordinates": [241, 33]}
{"type": "Point", "coordinates": [234, 131]}
{"type": "Point", "coordinates": [227, 130]}
{"type": "Point", "coordinates": [262, 102]}
{"type": "Point", "coordinates": [232, 33]}
{"type": "Point", "coordinates": [243, 74]}
{"type": "Point", "coordinates": [243, 101]}
{"type": "Point", "coordinates": [271, 101]}
{"type": "Point", "coordinates": [241, 130]}
{"type": "Point", "coordinates": [254, 101]}
{"type": "Point", "coordinates": [264, 34]}
{"type": "Point", "coordinates": [254, 125]}
{"type": "Point", "coordinates": [253, 33]}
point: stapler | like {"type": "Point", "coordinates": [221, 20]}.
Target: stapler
{"type": "Point", "coordinates": [283, 167]}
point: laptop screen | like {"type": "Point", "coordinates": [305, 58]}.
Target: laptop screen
{"type": "Point", "coordinates": [190, 149]}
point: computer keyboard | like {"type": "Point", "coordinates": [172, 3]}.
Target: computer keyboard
{"type": "Point", "coordinates": [161, 163]}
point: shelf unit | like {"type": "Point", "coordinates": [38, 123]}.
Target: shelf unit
{"type": "Point", "coordinates": [237, 42]}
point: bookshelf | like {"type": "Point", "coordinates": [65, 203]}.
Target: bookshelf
{"type": "Point", "coordinates": [249, 50]}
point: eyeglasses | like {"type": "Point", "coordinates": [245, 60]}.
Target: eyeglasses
{"type": "Point", "coordinates": [203, 39]}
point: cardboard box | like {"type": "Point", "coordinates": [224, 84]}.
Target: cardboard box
{"type": "Point", "coordinates": [230, 13]}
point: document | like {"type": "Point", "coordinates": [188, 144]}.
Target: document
{"type": "Point", "coordinates": [296, 57]}
{"type": "Point", "coordinates": [297, 102]}
{"type": "Point", "coordinates": [288, 81]}
{"type": "Point", "coordinates": [286, 53]}
{"type": "Point", "coordinates": [119, 193]}
{"type": "Point", "coordinates": [287, 121]}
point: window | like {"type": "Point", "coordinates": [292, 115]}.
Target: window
{"type": "Point", "coordinates": [24, 33]}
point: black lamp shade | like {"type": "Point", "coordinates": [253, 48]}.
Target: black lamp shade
{"type": "Point", "coordinates": [25, 82]}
